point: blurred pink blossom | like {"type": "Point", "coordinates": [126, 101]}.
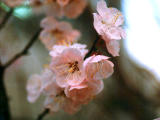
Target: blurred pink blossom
{"type": "Point", "coordinates": [60, 8]}
{"type": "Point", "coordinates": [44, 83]}
{"type": "Point", "coordinates": [34, 87]}
{"type": "Point", "coordinates": [108, 23]}
{"type": "Point", "coordinates": [57, 33]}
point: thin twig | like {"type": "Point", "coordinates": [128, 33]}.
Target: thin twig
{"type": "Point", "coordinates": [6, 18]}
{"type": "Point", "coordinates": [25, 50]}
{"type": "Point", "coordinates": [43, 114]}
{"type": "Point", "coordinates": [93, 47]}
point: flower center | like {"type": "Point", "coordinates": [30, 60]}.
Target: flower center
{"type": "Point", "coordinates": [73, 67]}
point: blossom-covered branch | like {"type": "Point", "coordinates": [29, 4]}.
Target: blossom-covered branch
{"type": "Point", "coordinates": [25, 50]}
{"type": "Point", "coordinates": [73, 77]}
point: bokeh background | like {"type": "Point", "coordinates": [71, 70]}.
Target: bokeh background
{"type": "Point", "coordinates": [131, 93]}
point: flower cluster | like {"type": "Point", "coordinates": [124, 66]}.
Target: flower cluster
{"type": "Point", "coordinates": [108, 23]}
{"type": "Point", "coordinates": [70, 80]}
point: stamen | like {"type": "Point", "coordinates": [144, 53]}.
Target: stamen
{"type": "Point", "coordinates": [73, 67]}
{"type": "Point", "coordinates": [116, 17]}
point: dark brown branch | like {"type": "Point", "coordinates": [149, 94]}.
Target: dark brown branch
{"type": "Point", "coordinates": [4, 105]}
{"type": "Point", "coordinates": [43, 114]}
{"type": "Point", "coordinates": [6, 18]}
{"type": "Point", "coordinates": [93, 48]}
{"type": "Point", "coordinates": [25, 50]}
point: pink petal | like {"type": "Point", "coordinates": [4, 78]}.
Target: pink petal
{"type": "Point", "coordinates": [102, 7]}
{"type": "Point", "coordinates": [113, 47]}
{"type": "Point", "coordinates": [34, 88]}
{"type": "Point", "coordinates": [98, 67]}
{"type": "Point", "coordinates": [98, 23]}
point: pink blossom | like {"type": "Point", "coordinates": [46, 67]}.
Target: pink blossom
{"type": "Point", "coordinates": [68, 67]}
{"type": "Point", "coordinates": [60, 8]}
{"type": "Point", "coordinates": [108, 23]}
{"type": "Point", "coordinates": [60, 33]}
{"type": "Point", "coordinates": [98, 67]}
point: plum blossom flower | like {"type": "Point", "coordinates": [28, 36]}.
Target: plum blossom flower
{"type": "Point", "coordinates": [68, 67]}
{"type": "Point", "coordinates": [57, 33]}
{"type": "Point", "coordinates": [60, 8]}
{"type": "Point", "coordinates": [58, 49]}
{"type": "Point", "coordinates": [98, 67]}
{"type": "Point", "coordinates": [108, 23]}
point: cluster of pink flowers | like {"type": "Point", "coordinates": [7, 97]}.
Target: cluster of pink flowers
{"type": "Point", "coordinates": [108, 23]}
{"type": "Point", "coordinates": [71, 81]}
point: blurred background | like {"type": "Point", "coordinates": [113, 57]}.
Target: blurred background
{"type": "Point", "coordinates": [131, 93]}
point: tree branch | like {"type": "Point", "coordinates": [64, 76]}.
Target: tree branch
{"type": "Point", "coordinates": [4, 105]}
{"type": "Point", "coordinates": [6, 18]}
{"type": "Point", "coordinates": [93, 47]}
{"type": "Point", "coordinates": [43, 114]}
{"type": "Point", "coordinates": [25, 50]}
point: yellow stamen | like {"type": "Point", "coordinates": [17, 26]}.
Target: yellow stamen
{"type": "Point", "coordinates": [116, 17]}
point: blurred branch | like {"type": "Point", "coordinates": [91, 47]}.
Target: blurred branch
{"type": "Point", "coordinates": [43, 114]}
{"type": "Point", "coordinates": [6, 18]}
{"type": "Point", "coordinates": [25, 50]}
